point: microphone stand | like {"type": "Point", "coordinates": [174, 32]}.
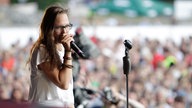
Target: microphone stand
{"type": "Point", "coordinates": [127, 66]}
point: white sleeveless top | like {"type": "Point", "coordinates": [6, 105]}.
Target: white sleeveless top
{"type": "Point", "coordinates": [42, 90]}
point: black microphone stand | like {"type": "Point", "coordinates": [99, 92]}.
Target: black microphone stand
{"type": "Point", "coordinates": [127, 65]}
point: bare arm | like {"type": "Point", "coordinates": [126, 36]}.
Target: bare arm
{"type": "Point", "coordinates": [132, 102]}
{"type": "Point", "coordinates": [60, 76]}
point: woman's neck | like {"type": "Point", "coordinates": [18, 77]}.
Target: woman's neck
{"type": "Point", "coordinates": [59, 46]}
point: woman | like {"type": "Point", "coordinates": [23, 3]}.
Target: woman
{"type": "Point", "coordinates": [51, 61]}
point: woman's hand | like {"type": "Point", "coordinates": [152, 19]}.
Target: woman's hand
{"type": "Point", "coordinates": [66, 40]}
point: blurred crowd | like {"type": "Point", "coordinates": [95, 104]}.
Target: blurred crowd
{"type": "Point", "coordinates": [160, 76]}
{"type": "Point", "coordinates": [14, 74]}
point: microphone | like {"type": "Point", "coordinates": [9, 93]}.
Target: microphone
{"type": "Point", "coordinates": [77, 49]}
{"type": "Point", "coordinates": [128, 44]}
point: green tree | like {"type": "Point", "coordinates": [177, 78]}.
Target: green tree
{"type": "Point", "coordinates": [42, 4]}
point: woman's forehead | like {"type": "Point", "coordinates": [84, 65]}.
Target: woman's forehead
{"type": "Point", "coordinates": [61, 19]}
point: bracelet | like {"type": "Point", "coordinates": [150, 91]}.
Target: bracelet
{"type": "Point", "coordinates": [67, 58]}
{"type": "Point", "coordinates": [67, 50]}
{"type": "Point", "coordinates": [68, 66]}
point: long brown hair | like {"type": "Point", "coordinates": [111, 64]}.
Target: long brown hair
{"type": "Point", "coordinates": [46, 33]}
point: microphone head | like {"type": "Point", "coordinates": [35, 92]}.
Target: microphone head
{"type": "Point", "coordinates": [128, 44]}
{"type": "Point", "coordinates": [77, 49]}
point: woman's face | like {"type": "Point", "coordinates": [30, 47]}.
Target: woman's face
{"type": "Point", "coordinates": [61, 26]}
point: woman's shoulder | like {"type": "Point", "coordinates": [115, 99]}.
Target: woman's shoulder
{"type": "Point", "coordinates": [41, 46]}
{"type": "Point", "coordinates": [42, 51]}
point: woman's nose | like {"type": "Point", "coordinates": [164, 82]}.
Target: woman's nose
{"type": "Point", "coordinates": [64, 30]}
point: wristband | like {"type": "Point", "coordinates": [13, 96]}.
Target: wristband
{"type": "Point", "coordinates": [68, 66]}
{"type": "Point", "coordinates": [67, 50]}
{"type": "Point", "coordinates": [67, 58]}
